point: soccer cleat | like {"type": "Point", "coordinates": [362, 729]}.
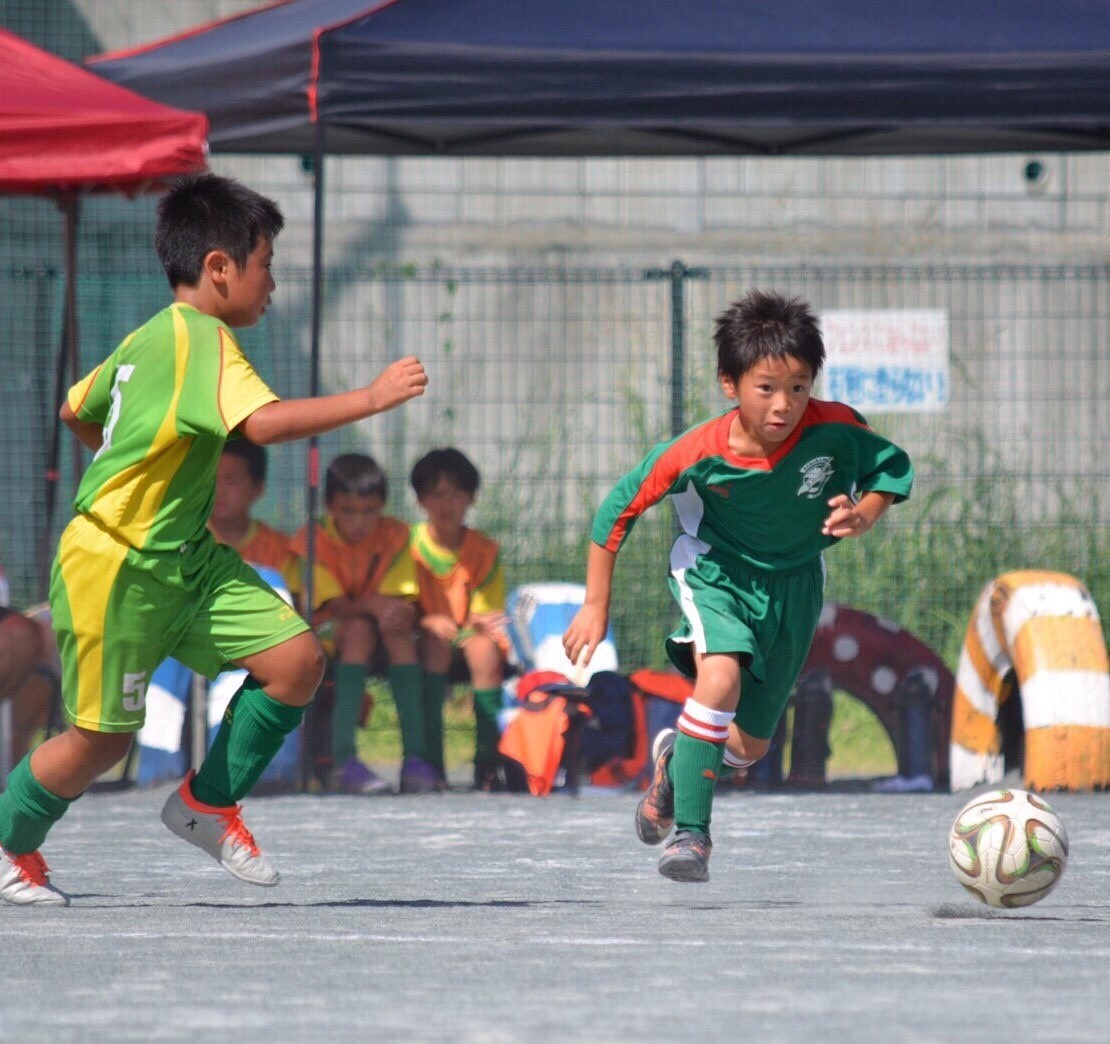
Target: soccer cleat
{"type": "Point", "coordinates": [686, 858]}
{"type": "Point", "coordinates": [655, 812]}
{"type": "Point", "coordinates": [220, 832]}
{"type": "Point", "coordinates": [418, 776]}
{"type": "Point", "coordinates": [353, 777]}
{"type": "Point", "coordinates": [23, 881]}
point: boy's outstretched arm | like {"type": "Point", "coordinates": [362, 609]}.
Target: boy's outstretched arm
{"type": "Point", "coordinates": [846, 519]}
{"type": "Point", "coordinates": [290, 419]}
{"type": "Point", "coordinates": [587, 629]}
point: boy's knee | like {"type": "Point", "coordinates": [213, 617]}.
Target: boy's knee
{"type": "Point", "coordinates": [20, 650]}
{"type": "Point", "coordinates": [355, 639]}
{"type": "Point", "coordinates": [481, 651]}
{"type": "Point", "coordinates": [313, 661]}
{"type": "Point", "coordinates": [101, 750]}
{"type": "Point", "coordinates": [353, 628]}
{"type": "Point", "coordinates": [743, 749]}
{"type": "Point", "coordinates": [302, 671]}
{"type": "Point", "coordinates": [435, 655]}
{"type": "Point", "coordinates": [401, 621]}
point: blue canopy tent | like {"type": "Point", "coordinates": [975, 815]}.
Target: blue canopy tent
{"type": "Point", "coordinates": [640, 77]}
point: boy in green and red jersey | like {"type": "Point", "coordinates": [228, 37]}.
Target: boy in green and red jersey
{"type": "Point", "coordinates": [138, 576]}
{"type": "Point", "coordinates": [760, 492]}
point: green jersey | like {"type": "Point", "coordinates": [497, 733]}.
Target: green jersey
{"type": "Point", "coordinates": [167, 398]}
{"type": "Point", "coordinates": [765, 512]}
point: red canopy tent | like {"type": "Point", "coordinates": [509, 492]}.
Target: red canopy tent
{"type": "Point", "coordinates": [65, 132]}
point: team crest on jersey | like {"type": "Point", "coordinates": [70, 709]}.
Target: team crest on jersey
{"type": "Point", "coordinates": [815, 476]}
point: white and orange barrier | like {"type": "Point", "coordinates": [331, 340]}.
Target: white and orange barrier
{"type": "Point", "coordinates": [1042, 631]}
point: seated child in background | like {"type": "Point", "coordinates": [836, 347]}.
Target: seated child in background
{"type": "Point", "coordinates": [364, 586]}
{"type": "Point", "coordinates": [462, 601]}
{"type": "Point", "coordinates": [240, 484]}
{"type": "Point", "coordinates": [28, 674]}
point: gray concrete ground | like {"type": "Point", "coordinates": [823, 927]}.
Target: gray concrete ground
{"type": "Point", "coordinates": [465, 917]}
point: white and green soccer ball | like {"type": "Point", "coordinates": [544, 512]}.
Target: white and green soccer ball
{"type": "Point", "coordinates": [1008, 848]}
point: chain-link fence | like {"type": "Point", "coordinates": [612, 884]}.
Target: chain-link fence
{"type": "Point", "coordinates": [555, 381]}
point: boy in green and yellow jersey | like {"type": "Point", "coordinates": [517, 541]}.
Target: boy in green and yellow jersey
{"type": "Point", "coordinates": [139, 577]}
{"type": "Point", "coordinates": [760, 492]}
{"type": "Point", "coordinates": [462, 601]}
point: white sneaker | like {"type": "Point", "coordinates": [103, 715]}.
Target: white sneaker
{"type": "Point", "coordinates": [23, 881]}
{"type": "Point", "coordinates": [220, 832]}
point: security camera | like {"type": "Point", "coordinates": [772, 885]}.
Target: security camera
{"type": "Point", "coordinates": [1035, 174]}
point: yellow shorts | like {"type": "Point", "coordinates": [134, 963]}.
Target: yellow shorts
{"type": "Point", "coordinates": [118, 613]}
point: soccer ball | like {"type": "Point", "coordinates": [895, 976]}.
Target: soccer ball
{"type": "Point", "coordinates": [1008, 848]}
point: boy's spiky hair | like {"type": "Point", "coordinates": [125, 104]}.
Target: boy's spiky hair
{"type": "Point", "coordinates": [765, 324]}
{"type": "Point", "coordinates": [205, 212]}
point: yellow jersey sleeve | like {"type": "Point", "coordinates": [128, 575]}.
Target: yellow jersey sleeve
{"type": "Point", "coordinates": [242, 391]}
{"type": "Point", "coordinates": [89, 399]}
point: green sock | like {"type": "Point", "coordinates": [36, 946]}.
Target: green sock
{"type": "Point", "coordinates": [434, 693]}
{"type": "Point", "coordinates": [487, 731]}
{"type": "Point", "coordinates": [407, 682]}
{"type": "Point", "coordinates": [694, 768]}
{"type": "Point", "coordinates": [252, 732]}
{"type": "Point", "coordinates": [27, 811]}
{"type": "Point", "coordinates": [350, 691]}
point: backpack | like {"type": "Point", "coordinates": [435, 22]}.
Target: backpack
{"type": "Point", "coordinates": [544, 736]}
{"type": "Point", "coordinates": [614, 740]}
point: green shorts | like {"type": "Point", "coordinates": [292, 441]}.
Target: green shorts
{"type": "Point", "coordinates": [118, 613]}
{"type": "Point", "coordinates": [767, 618]}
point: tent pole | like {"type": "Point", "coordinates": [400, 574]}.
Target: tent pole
{"type": "Point", "coordinates": [313, 462]}
{"type": "Point", "coordinates": [69, 204]}
{"type": "Point", "coordinates": [72, 212]}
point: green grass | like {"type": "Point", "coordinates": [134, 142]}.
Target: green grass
{"type": "Point", "coordinates": [860, 745]}
{"type": "Point", "coordinates": [379, 744]}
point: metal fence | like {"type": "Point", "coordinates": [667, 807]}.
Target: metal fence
{"type": "Point", "coordinates": [556, 380]}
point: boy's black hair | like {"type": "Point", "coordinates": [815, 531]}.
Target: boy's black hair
{"type": "Point", "coordinates": [252, 453]}
{"type": "Point", "coordinates": [205, 212]}
{"type": "Point", "coordinates": [765, 324]}
{"type": "Point", "coordinates": [354, 473]}
{"type": "Point", "coordinates": [449, 462]}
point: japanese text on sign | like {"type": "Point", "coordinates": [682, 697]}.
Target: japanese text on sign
{"type": "Point", "coordinates": [886, 359]}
